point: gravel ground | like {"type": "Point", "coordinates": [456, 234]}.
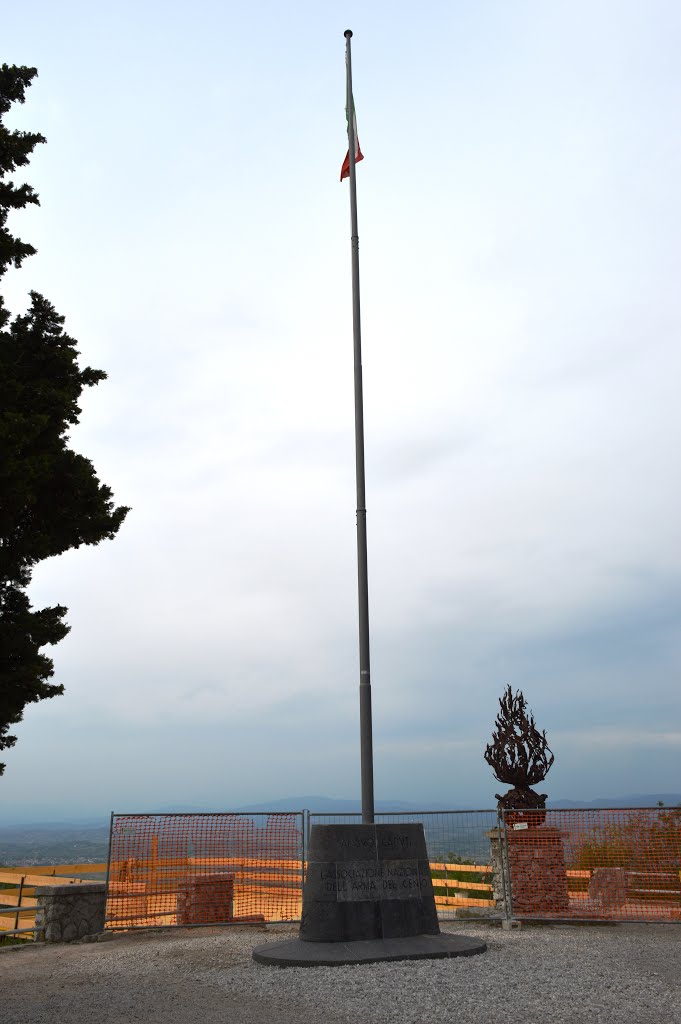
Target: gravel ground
{"type": "Point", "coordinates": [534, 975]}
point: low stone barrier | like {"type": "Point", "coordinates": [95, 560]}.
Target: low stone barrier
{"type": "Point", "coordinates": [66, 913]}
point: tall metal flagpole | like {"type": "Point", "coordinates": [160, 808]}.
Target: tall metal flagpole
{"type": "Point", "coordinates": [366, 742]}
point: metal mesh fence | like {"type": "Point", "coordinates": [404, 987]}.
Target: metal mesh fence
{"type": "Point", "coordinates": [467, 880]}
{"type": "Point", "coordinates": [198, 869]}
{"type": "Point", "coordinates": [581, 864]}
{"type": "Point", "coordinates": [604, 864]}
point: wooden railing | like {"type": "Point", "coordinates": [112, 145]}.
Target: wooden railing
{"type": "Point", "coordinates": [143, 891]}
{"type": "Point", "coordinates": [451, 900]}
{"type": "Point", "coordinates": [136, 880]}
{"type": "Point", "coordinates": [662, 887]}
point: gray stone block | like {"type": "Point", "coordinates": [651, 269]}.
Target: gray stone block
{"type": "Point", "coordinates": [401, 842]}
{"type": "Point", "coordinates": [400, 918]}
{"type": "Point", "coordinates": [320, 880]}
{"type": "Point", "coordinates": [361, 920]}
{"type": "Point", "coordinates": [321, 921]}
{"type": "Point", "coordinates": [342, 842]}
{"type": "Point", "coordinates": [367, 882]}
{"type": "Point", "coordinates": [430, 922]}
{"type": "Point", "coordinates": [67, 913]}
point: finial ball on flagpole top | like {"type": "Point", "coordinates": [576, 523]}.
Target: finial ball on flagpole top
{"type": "Point", "coordinates": [347, 33]}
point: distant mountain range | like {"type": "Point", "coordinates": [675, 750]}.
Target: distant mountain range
{"type": "Point", "coordinates": [16, 821]}
{"type": "Point", "coordinates": [329, 805]}
{"type": "Point", "coordinates": [72, 842]}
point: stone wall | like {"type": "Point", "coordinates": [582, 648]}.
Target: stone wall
{"type": "Point", "coordinates": [66, 913]}
{"type": "Point", "coordinates": [497, 851]}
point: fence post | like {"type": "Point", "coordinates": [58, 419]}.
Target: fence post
{"type": "Point", "coordinates": [21, 891]}
{"type": "Point", "coordinates": [305, 839]}
{"type": "Point", "coordinates": [108, 859]}
{"type": "Point", "coordinates": [108, 867]}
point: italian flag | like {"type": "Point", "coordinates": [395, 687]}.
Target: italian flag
{"type": "Point", "coordinates": [345, 169]}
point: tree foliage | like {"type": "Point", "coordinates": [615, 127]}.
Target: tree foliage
{"type": "Point", "coordinates": [50, 497]}
{"type": "Point", "coordinates": [635, 840]}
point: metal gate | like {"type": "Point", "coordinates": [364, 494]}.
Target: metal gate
{"type": "Point", "coordinates": [203, 869]}
{"type": "Point", "coordinates": [604, 864]}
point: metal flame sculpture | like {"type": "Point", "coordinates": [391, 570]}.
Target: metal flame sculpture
{"type": "Point", "coordinates": [519, 755]}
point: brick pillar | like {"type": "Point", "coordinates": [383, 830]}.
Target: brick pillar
{"type": "Point", "coordinates": [206, 899]}
{"type": "Point", "coordinates": [537, 865]}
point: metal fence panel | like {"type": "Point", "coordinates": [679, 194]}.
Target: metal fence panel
{"type": "Point", "coordinates": [466, 881]}
{"type": "Point", "coordinates": [200, 869]}
{"type": "Point", "coordinates": [605, 864]}
{"type": "Point", "coordinates": [577, 864]}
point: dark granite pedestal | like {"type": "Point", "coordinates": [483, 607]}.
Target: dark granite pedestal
{"type": "Point", "coordinates": [294, 953]}
{"type": "Point", "coordinates": [368, 896]}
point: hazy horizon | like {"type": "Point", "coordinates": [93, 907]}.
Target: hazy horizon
{"type": "Point", "coordinates": [68, 814]}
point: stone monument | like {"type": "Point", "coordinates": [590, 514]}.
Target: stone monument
{"type": "Point", "coordinates": [367, 897]}
{"type": "Point", "coordinates": [367, 882]}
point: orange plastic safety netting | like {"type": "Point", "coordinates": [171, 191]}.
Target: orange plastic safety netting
{"type": "Point", "coordinates": [188, 869]}
{"type": "Point", "coordinates": [612, 864]}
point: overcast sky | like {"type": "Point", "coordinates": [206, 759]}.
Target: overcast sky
{"type": "Point", "coordinates": [520, 231]}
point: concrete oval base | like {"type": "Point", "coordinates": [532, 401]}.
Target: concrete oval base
{"type": "Point", "coordinates": [294, 953]}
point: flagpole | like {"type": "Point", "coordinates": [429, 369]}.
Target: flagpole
{"type": "Point", "coordinates": [365, 727]}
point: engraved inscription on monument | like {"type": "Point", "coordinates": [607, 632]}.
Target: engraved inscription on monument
{"type": "Point", "coordinates": [358, 880]}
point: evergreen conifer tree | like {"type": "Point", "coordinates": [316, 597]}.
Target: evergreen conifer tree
{"type": "Point", "coordinates": [50, 497]}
